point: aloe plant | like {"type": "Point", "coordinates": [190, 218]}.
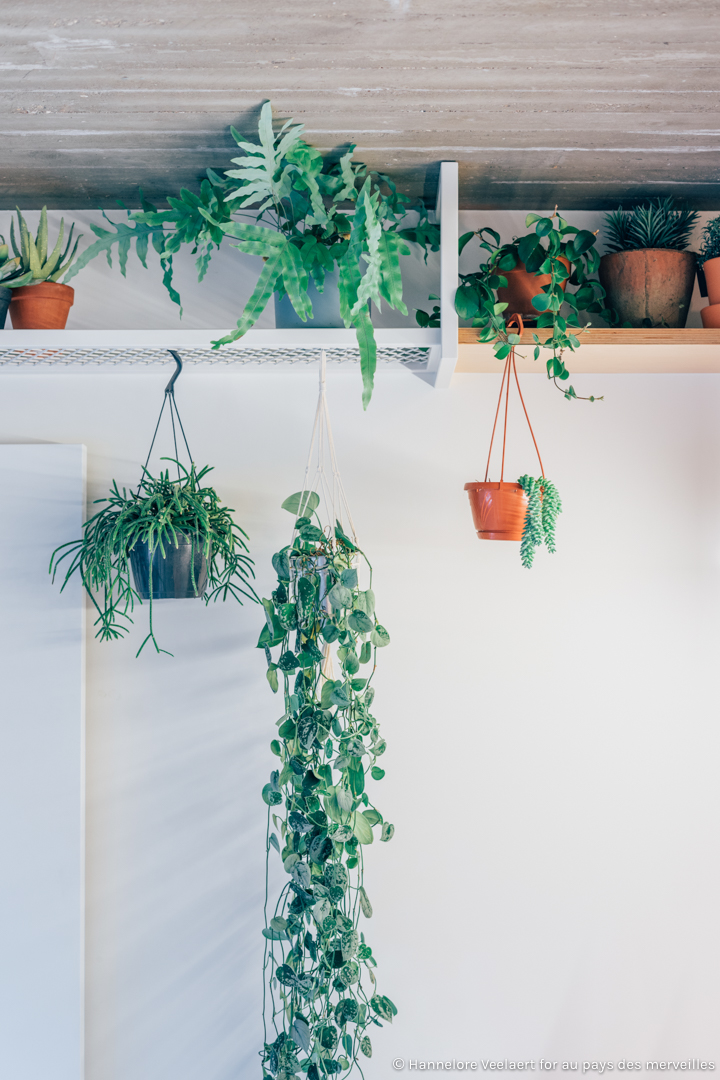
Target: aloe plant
{"type": "Point", "coordinates": [32, 263]}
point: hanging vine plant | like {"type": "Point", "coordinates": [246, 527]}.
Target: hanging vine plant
{"type": "Point", "coordinates": [320, 988]}
{"type": "Point", "coordinates": [175, 536]}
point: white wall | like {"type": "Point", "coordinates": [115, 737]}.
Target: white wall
{"type": "Point", "coordinates": [552, 766]}
{"type": "Point", "coordinates": [42, 763]}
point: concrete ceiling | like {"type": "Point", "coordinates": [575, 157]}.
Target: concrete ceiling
{"type": "Point", "coordinates": [580, 103]}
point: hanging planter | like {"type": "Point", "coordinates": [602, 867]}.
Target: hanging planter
{"type": "Point", "coordinates": [38, 301]}
{"type": "Point", "coordinates": [321, 640]}
{"type": "Point", "coordinates": [171, 539]}
{"type": "Point", "coordinates": [524, 511]}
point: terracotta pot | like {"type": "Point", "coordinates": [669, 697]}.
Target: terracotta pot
{"type": "Point", "coordinates": [5, 298]}
{"type": "Point", "coordinates": [498, 510]}
{"type": "Point", "coordinates": [653, 284]}
{"type": "Point", "coordinates": [521, 287]}
{"type": "Point", "coordinates": [41, 307]}
{"type": "Point", "coordinates": [712, 280]}
{"type": "Point", "coordinates": [711, 316]}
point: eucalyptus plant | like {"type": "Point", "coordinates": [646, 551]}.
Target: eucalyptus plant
{"type": "Point", "coordinates": [158, 514]}
{"type": "Point", "coordinates": [657, 223]}
{"type": "Point", "coordinates": [320, 996]}
{"type": "Point", "coordinates": [554, 247]}
{"type": "Point", "coordinates": [305, 216]}
{"type": "Point", "coordinates": [31, 263]}
{"type": "Point", "coordinates": [543, 508]}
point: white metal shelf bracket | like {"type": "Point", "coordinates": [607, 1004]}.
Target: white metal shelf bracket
{"type": "Point", "coordinates": [443, 363]}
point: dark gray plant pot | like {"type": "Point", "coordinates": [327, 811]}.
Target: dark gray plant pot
{"type": "Point", "coordinates": [5, 298]}
{"type": "Point", "coordinates": [171, 576]}
{"type": "Point", "coordinates": [325, 305]}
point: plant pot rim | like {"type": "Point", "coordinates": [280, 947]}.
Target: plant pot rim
{"type": "Point", "coordinates": [52, 286]}
{"type": "Point", "coordinates": [639, 251]}
{"type": "Point", "coordinates": [492, 485]}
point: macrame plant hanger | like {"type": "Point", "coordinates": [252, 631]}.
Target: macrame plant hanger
{"type": "Point", "coordinates": [510, 369]}
{"type": "Point", "coordinates": [169, 399]}
{"type": "Point", "coordinates": [326, 482]}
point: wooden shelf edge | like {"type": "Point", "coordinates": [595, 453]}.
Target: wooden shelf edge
{"type": "Point", "coordinates": [609, 336]}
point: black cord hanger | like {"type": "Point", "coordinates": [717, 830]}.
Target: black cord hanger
{"type": "Point", "coordinates": [174, 414]}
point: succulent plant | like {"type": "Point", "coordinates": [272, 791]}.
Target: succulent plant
{"type": "Point", "coordinates": [31, 263]}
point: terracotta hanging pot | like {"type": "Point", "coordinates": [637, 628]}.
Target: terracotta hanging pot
{"type": "Point", "coordinates": [41, 307]}
{"type": "Point", "coordinates": [498, 510]}
{"type": "Point", "coordinates": [498, 507]}
{"type": "Point", "coordinates": [652, 285]}
{"type": "Point", "coordinates": [521, 287]}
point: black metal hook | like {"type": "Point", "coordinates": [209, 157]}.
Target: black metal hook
{"type": "Point", "coordinates": [170, 388]}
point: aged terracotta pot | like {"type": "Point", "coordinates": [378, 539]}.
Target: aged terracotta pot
{"type": "Point", "coordinates": [653, 284]}
{"type": "Point", "coordinates": [498, 510]}
{"type": "Point", "coordinates": [712, 280]}
{"type": "Point", "coordinates": [521, 287]}
{"type": "Point", "coordinates": [41, 307]}
{"type": "Point", "coordinates": [711, 316]}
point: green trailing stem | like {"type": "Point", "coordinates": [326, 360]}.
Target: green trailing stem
{"type": "Point", "coordinates": [542, 252]}
{"type": "Point", "coordinates": [320, 998]}
{"type": "Point", "coordinates": [157, 514]}
{"type": "Point", "coordinates": [540, 517]}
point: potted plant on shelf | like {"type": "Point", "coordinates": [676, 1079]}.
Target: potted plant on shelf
{"type": "Point", "coordinates": [709, 274]}
{"type": "Point", "coordinates": [648, 273]}
{"type": "Point", "coordinates": [175, 536]}
{"type": "Point", "coordinates": [529, 277]}
{"type": "Point", "coordinates": [38, 301]}
{"type": "Point", "coordinates": [312, 221]}
{"type": "Point", "coordinates": [526, 510]}
{"type": "Point", "coordinates": [321, 638]}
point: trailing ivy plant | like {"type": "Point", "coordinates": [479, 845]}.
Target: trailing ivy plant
{"type": "Point", "coordinates": [306, 216]}
{"type": "Point", "coordinates": [554, 247]}
{"type": "Point", "coordinates": [157, 514]}
{"type": "Point", "coordinates": [540, 517]}
{"type": "Point", "coordinates": [320, 997]}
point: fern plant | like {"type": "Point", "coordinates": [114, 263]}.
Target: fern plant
{"type": "Point", "coordinates": [321, 994]}
{"type": "Point", "coordinates": [658, 223]}
{"type": "Point", "coordinates": [543, 508]}
{"type": "Point", "coordinates": [159, 513]}
{"type": "Point", "coordinates": [710, 248]}
{"type": "Point", "coordinates": [305, 216]}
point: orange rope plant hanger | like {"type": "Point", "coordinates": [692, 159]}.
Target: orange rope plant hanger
{"type": "Point", "coordinates": [525, 510]}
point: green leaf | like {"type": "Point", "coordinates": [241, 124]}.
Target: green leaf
{"type": "Point", "coordinates": [368, 353]}
{"type": "Point", "coordinates": [365, 1042]}
{"type": "Point", "coordinates": [301, 503]}
{"type": "Point", "coordinates": [388, 831]}
{"type": "Point", "coordinates": [360, 623]}
{"type": "Point", "coordinates": [340, 596]}
{"type": "Point", "coordinates": [339, 696]}
{"type": "Point", "coordinates": [377, 773]}
{"type": "Point", "coordinates": [365, 904]}
{"type": "Point", "coordinates": [270, 796]}
{"type": "Point", "coordinates": [349, 578]}
{"type": "Point", "coordinates": [361, 829]}
{"type": "Point", "coordinates": [380, 637]}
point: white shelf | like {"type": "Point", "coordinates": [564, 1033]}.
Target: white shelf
{"type": "Point", "coordinates": [415, 348]}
